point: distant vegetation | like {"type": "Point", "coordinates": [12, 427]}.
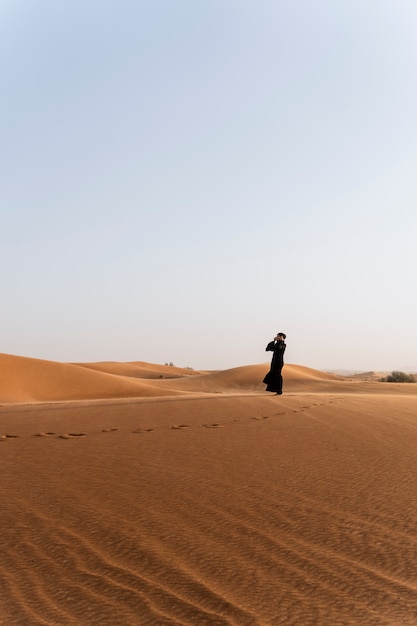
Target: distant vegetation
{"type": "Point", "coordinates": [399, 377]}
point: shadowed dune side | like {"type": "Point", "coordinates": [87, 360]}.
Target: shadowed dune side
{"type": "Point", "coordinates": [25, 379]}
{"type": "Point", "coordinates": [249, 378]}
{"type": "Point", "coordinates": [139, 369]}
{"type": "Point", "coordinates": [297, 379]}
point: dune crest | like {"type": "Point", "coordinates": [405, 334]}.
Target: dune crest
{"type": "Point", "coordinates": [26, 379]}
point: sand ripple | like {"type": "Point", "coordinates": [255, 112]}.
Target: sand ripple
{"type": "Point", "coordinates": [228, 511]}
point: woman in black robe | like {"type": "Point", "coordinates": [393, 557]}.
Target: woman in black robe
{"type": "Point", "coordinates": [273, 379]}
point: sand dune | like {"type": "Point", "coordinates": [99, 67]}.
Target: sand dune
{"type": "Point", "coordinates": [221, 505]}
{"type": "Point", "coordinates": [140, 369]}
{"type": "Point", "coordinates": [249, 378]}
{"type": "Point", "coordinates": [33, 380]}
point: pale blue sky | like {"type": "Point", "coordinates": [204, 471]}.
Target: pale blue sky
{"type": "Point", "coordinates": [183, 179]}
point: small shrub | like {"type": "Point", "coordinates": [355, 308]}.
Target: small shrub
{"type": "Point", "coordinates": [400, 377]}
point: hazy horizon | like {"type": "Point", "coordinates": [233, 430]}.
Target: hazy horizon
{"type": "Point", "coordinates": [180, 182]}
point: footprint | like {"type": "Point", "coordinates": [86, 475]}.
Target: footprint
{"type": "Point", "coordinates": [43, 434]}
{"type": "Point", "coordinates": [71, 435]}
{"type": "Point", "coordinates": [212, 426]}
{"type": "Point", "coordinates": [265, 417]}
{"type": "Point", "coordinates": [4, 437]}
{"type": "Point", "coordinates": [108, 430]}
{"type": "Point", "coordinates": [180, 426]}
{"type": "Point", "coordinates": [142, 430]}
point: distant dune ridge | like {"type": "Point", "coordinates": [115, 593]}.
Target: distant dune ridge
{"type": "Point", "coordinates": [34, 380]}
{"type": "Point", "coordinates": [137, 494]}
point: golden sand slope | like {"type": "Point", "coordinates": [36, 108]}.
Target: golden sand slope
{"type": "Point", "coordinates": [140, 369]}
{"type": "Point", "coordinates": [27, 380]}
{"type": "Point", "coordinates": [215, 504]}
{"type": "Point", "coordinates": [242, 510]}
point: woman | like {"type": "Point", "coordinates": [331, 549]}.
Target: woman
{"type": "Point", "coordinates": [273, 380]}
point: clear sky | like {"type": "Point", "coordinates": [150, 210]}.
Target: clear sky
{"type": "Point", "coordinates": [183, 179]}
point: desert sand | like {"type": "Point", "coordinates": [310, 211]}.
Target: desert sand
{"type": "Point", "coordinates": [142, 494]}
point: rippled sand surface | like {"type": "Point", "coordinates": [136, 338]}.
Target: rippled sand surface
{"type": "Point", "coordinates": [209, 502]}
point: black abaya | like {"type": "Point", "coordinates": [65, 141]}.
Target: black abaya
{"type": "Point", "coordinates": [273, 379]}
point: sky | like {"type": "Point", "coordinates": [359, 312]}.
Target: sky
{"type": "Point", "coordinates": [182, 180]}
